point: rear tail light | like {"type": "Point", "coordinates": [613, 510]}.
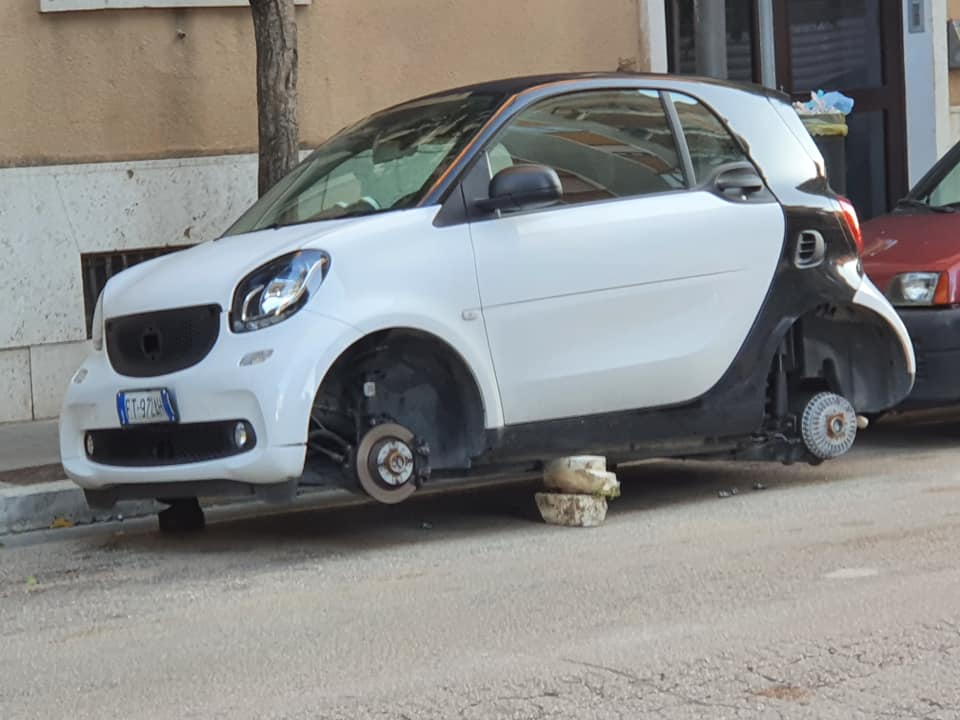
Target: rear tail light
{"type": "Point", "coordinates": [853, 222]}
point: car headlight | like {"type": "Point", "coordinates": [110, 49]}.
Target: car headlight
{"type": "Point", "coordinates": [96, 332]}
{"type": "Point", "coordinates": [918, 288]}
{"type": "Point", "coordinates": [275, 291]}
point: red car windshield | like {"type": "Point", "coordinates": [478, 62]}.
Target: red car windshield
{"type": "Point", "coordinates": [938, 192]}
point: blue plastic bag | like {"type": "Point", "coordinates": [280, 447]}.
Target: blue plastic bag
{"type": "Point", "coordinates": [821, 102]}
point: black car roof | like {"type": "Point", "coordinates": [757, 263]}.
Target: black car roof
{"type": "Point", "coordinates": [514, 85]}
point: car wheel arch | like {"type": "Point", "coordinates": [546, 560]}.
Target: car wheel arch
{"type": "Point", "coordinates": [444, 404]}
{"type": "Point", "coordinates": [853, 351]}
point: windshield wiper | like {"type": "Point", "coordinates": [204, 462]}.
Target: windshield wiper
{"type": "Point", "coordinates": [320, 217]}
{"type": "Point", "coordinates": [920, 205]}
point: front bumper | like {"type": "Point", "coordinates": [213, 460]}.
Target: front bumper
{"type": "Point", "coordinates": [275, 397]}
{"type": "Point", "coordinates": [936, 340]}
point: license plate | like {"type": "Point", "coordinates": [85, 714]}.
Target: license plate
{"type": "Point", "coordinates": [139, 407]}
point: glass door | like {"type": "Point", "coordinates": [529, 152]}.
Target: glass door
{"type": "Point", "coordinates": [739, 29]}
{"type": "Point", "coordinates": [855, 47]}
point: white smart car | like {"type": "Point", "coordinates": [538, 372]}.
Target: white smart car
{"type": "Point", "coordinates": [491, 277]}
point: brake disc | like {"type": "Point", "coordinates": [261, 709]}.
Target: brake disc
{"type": "Point", "coordinates": [828, 425]}
{"type": "Point", "coordinates": [386, 463]}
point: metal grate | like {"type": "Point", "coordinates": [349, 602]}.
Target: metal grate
{"type": "Point", "coordinates": [97, 268]}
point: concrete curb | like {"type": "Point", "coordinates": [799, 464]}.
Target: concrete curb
{"type": "Point", "coordinates": [36, 507]}
{"type": "Point", "coordinates": [24, 508]}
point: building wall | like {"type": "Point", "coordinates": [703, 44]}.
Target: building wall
{"type": "Point", "coordinates": [121, 84]}
{"type": "Point", "coordinates": [927, 82]}
{"type": "Point", "coordinates": [953, 13]}
{"type": "Point", "coordinates": [134, 128]}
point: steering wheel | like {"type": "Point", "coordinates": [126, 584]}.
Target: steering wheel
{"type": "Point", "coordinates": [370, 201]}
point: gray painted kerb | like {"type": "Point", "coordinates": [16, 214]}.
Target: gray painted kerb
{"type": "Point", "coordinates": [35, 507]}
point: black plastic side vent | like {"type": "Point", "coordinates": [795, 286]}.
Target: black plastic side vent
{"type": "Point", "coordinates": [811, 249]}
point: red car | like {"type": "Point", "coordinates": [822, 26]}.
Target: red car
{"type": "Point", "coordinates": [913, 256]}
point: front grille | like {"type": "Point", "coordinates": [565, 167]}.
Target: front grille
{"type": "Point", "coordinates": [151, 445]}
{"type": "Point", "coordinates": [158, 343]}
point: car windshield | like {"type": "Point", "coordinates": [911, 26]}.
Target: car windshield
{"type": "Point", "coordinates": [386, 162]}
{"type": "Point", "coordinates": [943, 196]}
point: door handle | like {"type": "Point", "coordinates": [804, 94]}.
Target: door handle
{"type": "Point", "coordinates": [739, 181]}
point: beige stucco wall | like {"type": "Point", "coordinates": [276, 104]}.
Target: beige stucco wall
{"type": "Point", "coordinates": [112, 85]}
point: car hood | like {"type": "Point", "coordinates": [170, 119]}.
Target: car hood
{"type": "Point", "coordinates": [208, 273]}
{"type": "Point", "coordinates": [899, 243]}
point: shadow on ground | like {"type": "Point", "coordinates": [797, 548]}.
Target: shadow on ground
{"type": "Point", "coordinates": [511, 508]}
{"type": "Point", "coordinates": [495, 510]}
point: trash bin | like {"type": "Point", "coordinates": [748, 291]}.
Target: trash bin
{"type": "Point", "coordinates": [829, 132]}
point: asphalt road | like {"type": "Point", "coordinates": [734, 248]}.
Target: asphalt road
{"type": "Point", "coordinates": [833, 593]}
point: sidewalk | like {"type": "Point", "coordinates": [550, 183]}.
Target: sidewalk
{"type": "Point", "coordinates": [28, 445]}
{"type": "Point", "coordinates": [34, 490]}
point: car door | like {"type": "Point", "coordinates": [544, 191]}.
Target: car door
{"type": "Point", "coordinates": [638, 289]}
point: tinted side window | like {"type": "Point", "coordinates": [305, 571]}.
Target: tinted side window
{"type": "Point", "coordinates": [603, 144]}
{"type": "Point", "coordinates": [710, 143]}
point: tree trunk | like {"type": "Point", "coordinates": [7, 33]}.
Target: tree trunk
{"type": "Point", "coordinates": [275, 28]}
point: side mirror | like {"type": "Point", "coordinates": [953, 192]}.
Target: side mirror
{"type": "Point", "coordinates": [523, 187]}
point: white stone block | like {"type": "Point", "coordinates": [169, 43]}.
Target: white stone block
{"type": "Point", "coordinates": [576, 462]}
{"type": "Point", "coordinates": [51, 368]}
{"type": "Point", "coordinates": [50, 215]}
{"type": "Point", "coordinates": [15, 397]}
{"type": "Point", "coordinates": [572, 510]}
{"type": "Point", "coordinates": [40, 290]}
{"type": "Point", "coordinates": [585, 474]}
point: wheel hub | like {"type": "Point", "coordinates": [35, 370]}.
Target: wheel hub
{"type": "Point", "coordinates": [394, 462]}
{"type": "Point", "coordinates": [388, 464]}
{"type": "Point", "coordinates": [835, 426]}
{"type": "Point", "coordinates": [828, 425]}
